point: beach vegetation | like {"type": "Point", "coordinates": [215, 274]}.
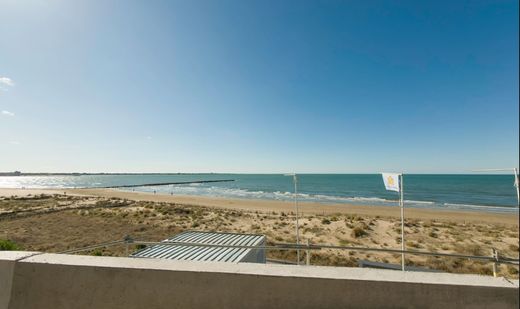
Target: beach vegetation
{"type": "Point", "coordinates": [473, 249]}
{"type": "Point", "coordinates": [8, 245]}
{"type": "Point", "coordinates": [433, 234]}
{"type": "Point", "coordinates": [313, 230]}
{"type": "Point", "coordinates": [343, 242]}
{"type": "Point", "coordinates": [358, 232]}
{"type": "Point", "coordinates": [140, 246]}
{"type": "Point", "coordinates": [413, 244]}
{"type": "Point", "coordinates": [512, 270]}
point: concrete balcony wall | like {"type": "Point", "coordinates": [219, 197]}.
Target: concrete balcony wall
{"type": "Point", "coordinates": [31, 280]}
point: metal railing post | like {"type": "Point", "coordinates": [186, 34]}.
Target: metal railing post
{"type": "Point", "coordinates": [127, 240]}
{"type": "Point", "coordinates": [308, 254]}
{"type": "Point", "coordinates": [495, 257]}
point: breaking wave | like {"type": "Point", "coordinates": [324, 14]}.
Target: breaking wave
{"type": "Point", "coordinates": [213, 191]}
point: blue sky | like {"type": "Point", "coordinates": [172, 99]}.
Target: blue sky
{"type": "Point", "coordinates": [258, 86]}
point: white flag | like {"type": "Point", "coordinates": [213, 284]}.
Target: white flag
{"type": "Point", "coordinates": [391, 181]}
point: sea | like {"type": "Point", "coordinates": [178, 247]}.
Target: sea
{"type": "Point", "coordinates": [488, 193]}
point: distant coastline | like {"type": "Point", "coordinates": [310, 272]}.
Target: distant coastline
{"type": "Point", "coordinates": [17, 173]}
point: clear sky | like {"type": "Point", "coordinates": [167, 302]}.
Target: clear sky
{"type": "Point", "coordinates": [258, 86]}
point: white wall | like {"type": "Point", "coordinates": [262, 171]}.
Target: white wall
{"type": "Point", "coordinates": [69, 281]}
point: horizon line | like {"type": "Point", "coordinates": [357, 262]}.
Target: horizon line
{"type": "Point", "coordinates": [248, 173]}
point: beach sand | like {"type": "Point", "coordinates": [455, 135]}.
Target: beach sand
{"type": "Point", "coordinates": [65, 219]}
{"type": "Point", "coordinates": [279, 206]}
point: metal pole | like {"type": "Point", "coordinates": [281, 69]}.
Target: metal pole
{"type": "Point", "coordinates": [308, 253]}
{"type": "Point", "coordinates": [128, 239]}
{"type": "Point", "coordinates": [401, 203]}
{"type": "Point", "coordinates": [494, 256]}
{"type": "Point", "coordinates": [517, 184]}
{"type": "Point", "coordinates": [295, 179]}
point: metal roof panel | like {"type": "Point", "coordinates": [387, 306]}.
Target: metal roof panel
{"type": "Point", "coordinates": [195, 253]}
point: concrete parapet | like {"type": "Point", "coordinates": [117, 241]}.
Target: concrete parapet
{"type": "Point", "coordinates": [8, 260]}
{"type": "Point", "coordinates": [70, 281]}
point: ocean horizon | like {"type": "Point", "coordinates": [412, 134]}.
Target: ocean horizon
{"type": "Point", "coordinates": [489, 193]}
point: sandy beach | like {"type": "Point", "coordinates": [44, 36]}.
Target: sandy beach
{"type": "Point", "coordinates": [278, 206]}
{"type": "Point", "coordinates": [58, 220]}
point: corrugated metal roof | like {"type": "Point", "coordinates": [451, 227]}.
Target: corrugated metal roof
{"type": "Point", "coordinates": [195, 253]}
